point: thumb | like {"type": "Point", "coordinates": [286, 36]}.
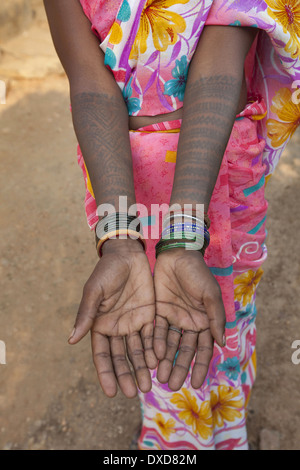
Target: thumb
{"type": "Point", "coordinates": [87, 311]}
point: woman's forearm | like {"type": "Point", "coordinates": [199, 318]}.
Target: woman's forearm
{"type": "Point", "coordinates": [100, 115]}
{"type": "Point", "coordinates": [101, 125]}
{"type": "Point", "coordinates": [210, 105]}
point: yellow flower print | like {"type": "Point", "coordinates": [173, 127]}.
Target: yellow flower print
{"type": "Point", "coordinates": [199, 418]}
{"type": "Point", "coordinates": [224, 406]}
{"type": "Point", "coordinates": [115, 34]}
{"type": "Point", "coordinates": [88, 182]}
{"type": "Point", "coordinates": [289, 115]}
{"type": "Point", "coordinates": [287, 13]}
{"type": "Point", "coordinates": [165, 427]}
{"type": "Point", "coordinates": [246, 285]}
{"type": "Point", "coordinates": [165, 26]}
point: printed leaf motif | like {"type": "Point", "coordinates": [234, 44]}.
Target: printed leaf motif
{"type": "Point", "coordinates": [152, 58]}
{"type": "Point", "coordinates": [175, 52]}
{"type": "Point", "coordinates": [162, 98]}
{"type": "Point", "coordinates": [151, 80]}
{"type": "Point", "coordinates": [197, 23]}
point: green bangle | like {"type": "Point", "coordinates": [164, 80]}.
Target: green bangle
{"type": "Point", "coordinates": [163, 245]}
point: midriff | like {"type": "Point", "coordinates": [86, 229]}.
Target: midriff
{"type": "Point", "coordinates": [135, 122]}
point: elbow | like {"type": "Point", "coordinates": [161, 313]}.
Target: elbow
{"type": "Point", "coordinates": [94, 80]}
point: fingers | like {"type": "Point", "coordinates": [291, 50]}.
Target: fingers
{"type": "Point", "coordinates": [121, 367]}
{"type": "Point", "coordinates": [166, 365]}
{"type": "Point", "coordinates": [103, 364]}
{"type": "Point", "coordinates": [185, 356]}
{"type": "Point", "coordinates": [174, 368]}
{"type": "Point", "coordinates": [136, 356]}
{"type": "Point", "coordinates": [160, 337]}
{"type": "Point", "coordinates": [110, 360]}
{"type": "Point", "coordinates": [203, 357]}
{"type": "Point", "coordinates": [147, 339]}
{"type": "Point", "coordinates": [91, 299]}
{"type": "Point", "coordinates": [109, 355]}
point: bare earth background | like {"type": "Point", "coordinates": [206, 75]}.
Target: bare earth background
{"type": "Point", "coordinates": [49, 394]}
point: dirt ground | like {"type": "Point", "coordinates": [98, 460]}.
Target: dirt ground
{"type": "Point", "coordinates": [49, 394]}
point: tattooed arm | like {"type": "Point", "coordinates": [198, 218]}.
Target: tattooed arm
{"type": "Point", "coordinates": [187, 294]}
{"type": "Point", "coordinates": [99, 111]}
{"type": "Point", "coordinates": [118, 298]}
{"type": "Point", "coordinates": [212, 96]}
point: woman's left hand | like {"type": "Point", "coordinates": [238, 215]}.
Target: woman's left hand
{"type": "Point", "coordinates": [188, 298]}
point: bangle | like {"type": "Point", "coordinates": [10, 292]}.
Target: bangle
{"type": "Point", "coordinates": [118, 225]}
{"type": "Point", "coordinates": [193, 216]}
{"type": "Point", "coordinates": [116, 234]}
{"type": "Point", "coordinates": [191, 232]}
{"type": "Point", "coordinates": [191, 213]}
{"type": "Point", "coordinates": [178, 244]}
{"type": "Point", "coordinates": [196, 245]}
{"type": "Point", "coordinates": [115, 221]}
{"type": "Point", "coordinates": [195, 227]}
{"type": "Point", "coordinates": [184, 235]}
{"type": "Point", "coordinates": [183, 228]}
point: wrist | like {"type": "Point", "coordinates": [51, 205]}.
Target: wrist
{"type": "Point", "coordinates": [118, 245]}
{"type": "Point", "coordinates": [185, 230]}
{"type": "Point", "coordinates": [120, 231]}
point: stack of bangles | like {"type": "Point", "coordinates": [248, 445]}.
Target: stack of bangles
{"type": "Point", "coordinates": [187, 230]}
{"type": "Point", "coordinates": [180, 229]}
{"type": "Point", "coordinates": [118, 225]}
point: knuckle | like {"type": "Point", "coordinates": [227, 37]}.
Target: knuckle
{"type": "Point", "coordinates": [101, 356]}
{"type": "Point", "coordinates": [215, 292]}
{"type": "Point", "coordinates": [83, 316]}
{"type": "Point", "coordinates": [119, 359]}
{"type": "Point", "coordinates": [206, 351]}
{"type": "Point", "coordinates": [172, 345]}
{"type": "Point", "coordinates": [162, 328]}
{"type": "Point", "coordinates": [141, 368]}
{"type": "Point", "coordinates": [186, 349]}
{"type": "Point", "coordinates": [87, 289]}
{"type": "Point", "coordinates": [135, 355]}
{"type": "Point", "coordinates": [147, 338]}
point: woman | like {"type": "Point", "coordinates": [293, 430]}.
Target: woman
{"type": "Point", "coordinates": [178, 106]}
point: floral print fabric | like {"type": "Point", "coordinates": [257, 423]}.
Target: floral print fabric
{"type": "Point", "coordinates": [213, 417]}
{"type": "Point", "coordinates": [148, 46]}
{"type": "Point", "coordinates": [150, 43]}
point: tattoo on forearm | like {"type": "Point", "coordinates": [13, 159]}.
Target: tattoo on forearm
{"type": "Point", "coordinates": [101, 126]}
{"type": "Point", "coordinates": [209, 111]}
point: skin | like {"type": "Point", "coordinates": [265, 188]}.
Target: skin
{"type": "Point", "coordinates": [121, 299]}
{"type": "Point", "coordinates": [187, 295]}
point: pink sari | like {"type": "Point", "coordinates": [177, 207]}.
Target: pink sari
{"type": "Point", "coordinates": [149, 71]}
{"type": "Point", "coordinates": [213, 417]}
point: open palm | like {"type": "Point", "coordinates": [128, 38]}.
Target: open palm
{"type": "Point", "coordinates": [118, 307]}
{"type": "Point", "coordinates": [189, 299]}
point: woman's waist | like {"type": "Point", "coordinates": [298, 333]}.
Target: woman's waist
{"type": "Point", "coordinates": [137, 122]}
{"type": "Point", "coordinates": [255, 110]}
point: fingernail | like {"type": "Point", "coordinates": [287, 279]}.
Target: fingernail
{"type": "Point", "coordinates": [224, 340]}
{"type": "Point", "coordinates": [72, 334]}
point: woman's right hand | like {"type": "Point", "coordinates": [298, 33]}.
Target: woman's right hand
{"type": "Point", "coordinates": [118, 306]}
